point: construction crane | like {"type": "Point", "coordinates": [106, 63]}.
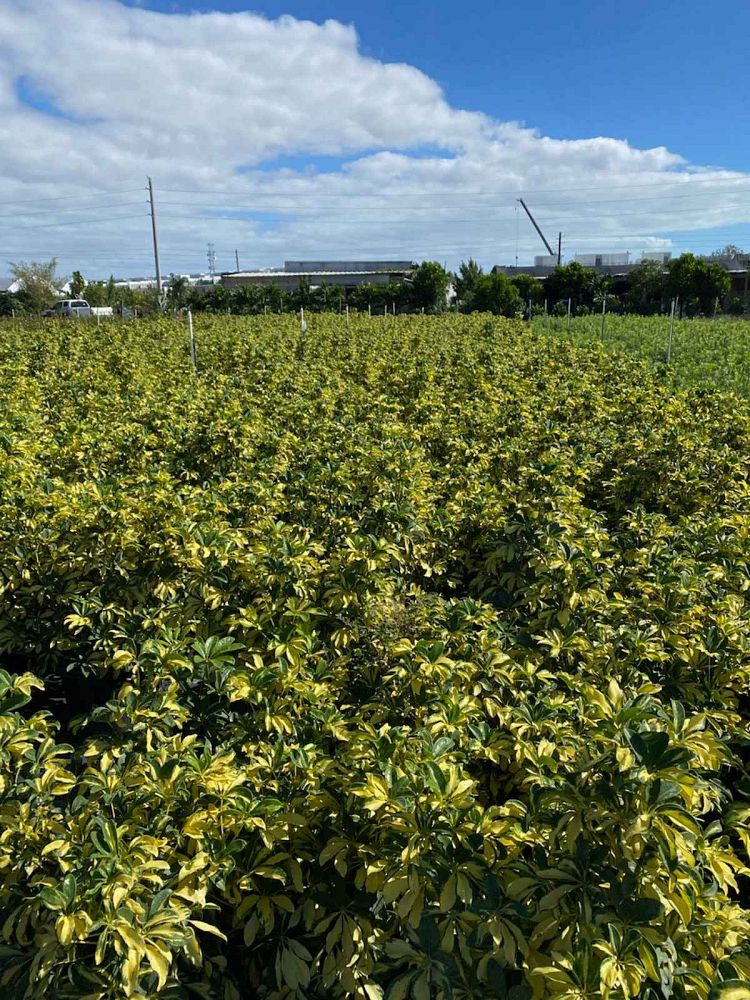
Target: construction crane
{"type": "Point", "coordinates": [550, 251]}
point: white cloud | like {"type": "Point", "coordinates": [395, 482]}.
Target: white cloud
{"type": "Point", "coordinates": [205, 102]}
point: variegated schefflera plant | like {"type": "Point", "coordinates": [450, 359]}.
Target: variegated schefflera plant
{"type": "Point", "coordinates": [407, 658]}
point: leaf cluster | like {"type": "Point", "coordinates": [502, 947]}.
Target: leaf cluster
{"type": "Point", "coordinates": [404, 660]}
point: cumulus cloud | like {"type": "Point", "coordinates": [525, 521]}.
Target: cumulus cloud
{"type": "Point", "coordinates": [280, 138]}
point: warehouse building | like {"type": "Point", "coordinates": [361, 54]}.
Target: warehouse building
{"type": "Point", "coordinates": [341, 273]}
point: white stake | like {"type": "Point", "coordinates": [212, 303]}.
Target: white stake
{"type": "Point", "coordinates": [604, 313]}
{"type": "Point", "coordinates": [671, 328]}
{"type": "Point", "coordinates": [302, 323]}
{"type": "Point", "coordinates": [191, 337]}
{"type": "Point", "coordinates": [568, 315]}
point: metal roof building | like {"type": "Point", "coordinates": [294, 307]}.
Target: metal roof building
{"type": "Point", "coordinates": [342, 273]}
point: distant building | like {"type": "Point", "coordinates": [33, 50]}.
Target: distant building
{"type": "Point", "coordinates": [545, 260]}
{"type": "Point", "coordinates": [342, 273]}
{"type": "Point", "coordinates": [602, 259]}
{"type": "Point", "coordinates": [660, 256]}
{"type": "Point", "coordinates": [201, 282]}
{"type": "Point", "coordinates": [346, 266]}
{"type": "Point", "coordinates": [739, 273]}
{"type": "Point", "coordinates": [137, 284]}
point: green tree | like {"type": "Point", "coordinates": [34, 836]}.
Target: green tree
{"type": "Point", "coordinates": [247, 299]}
{"type": "Point", "coordinates": [8, 304]}
{"type": "Point", "coordinates": [712, 284]}
{"type": "Point", "coordinates": [730, 251]}
{"type": "Point", "coordinates": [466, 278]}
{"type": "Point", "coordinates": [96, 293]}
{"type": "Point", "coordinates": [177, 291]}
{"type": "Point", "coordinates": [572, 281]}
{"type": "Point", "coordinates": [77, 284]}
{"type": "Point", "coordinates": [363, 296]}
{"type": "Point", "coordinates": [646, 288]}
{"type": "Point", "coordinates": [528, 287]}
{"type": "Point", "coordinates": [496, 294]}
{"type": "Point", "coordinates": [274, 298]}
{"type": "Point", "coordinates": [697, 282]}
{"type": "Point", "coordinates": [428, 288]}
{"type": "Point", "coordinates": [39, 283]}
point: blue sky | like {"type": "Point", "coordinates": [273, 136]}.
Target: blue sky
{"type": "Point", "coordinates": [666, 73]}
{"type": "Point", "coordinates": [293, 129]}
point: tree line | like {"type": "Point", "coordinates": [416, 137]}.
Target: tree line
{"type": "Point", "coordinates": [698, 284]}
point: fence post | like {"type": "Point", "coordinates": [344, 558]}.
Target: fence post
{"type": "Point", "coordinates": [671, 329]}
{"type": "Point", "coordinates": [604, 314]}
{"type": "Point", "coordinates": [191, 337]}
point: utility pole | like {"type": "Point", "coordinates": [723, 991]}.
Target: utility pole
{"type": "Point", "coordinates": [156, 242]}
{"type": "Point", "coordinates": [534, 224]}
{"type": "Point", "coordinates": [559, 249]}
{"type": "Point", "coordinates": [237, 259]}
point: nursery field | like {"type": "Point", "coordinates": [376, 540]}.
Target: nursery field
{"type": "Point", "coordinates": [704, 352]}
{"type": "Point", "coordinates": [403, 660]}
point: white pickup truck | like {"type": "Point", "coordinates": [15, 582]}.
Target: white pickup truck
{"type": "Point", "coordinates": [69, 307]}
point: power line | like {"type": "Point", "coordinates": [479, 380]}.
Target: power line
{"type": "Point", "coordinates": [76, 222]}
{"type": "Point", "coordinates": [515, 192]}
{"type": "Point", "coordinates": [16, 215]}
{"type": "Point", "coordinates": [83, 197]}
{"type": "Point", "coordinates": [250, 207]}
{"type": "Point", "coordinates": [384, 220]}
